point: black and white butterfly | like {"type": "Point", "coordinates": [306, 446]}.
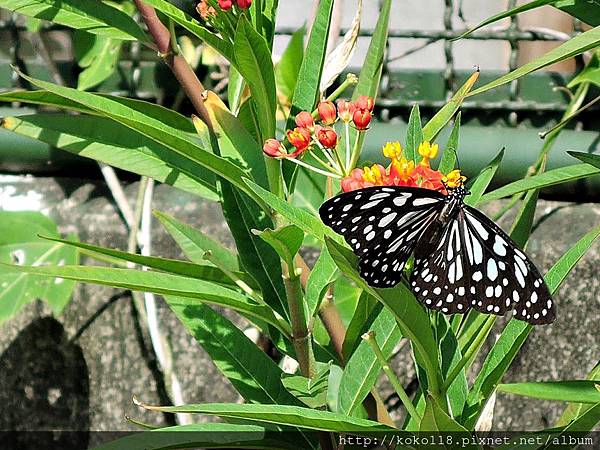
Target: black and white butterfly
{"type": "Point", "coordinates": [462, 259]}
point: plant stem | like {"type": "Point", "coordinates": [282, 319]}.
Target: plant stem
{"type": "Point", "coordinates": [475, 345]}
{"type": "Point", "coordinates": [314, 169]}
{"type": "Point", "coordinates": [410, 409]}
{"type": "Point", "coordinates": [301, 336]}
{"type": "Point", "coordinates": [347, 142]}
{"type": "Point", "coordinates": [360, 137]}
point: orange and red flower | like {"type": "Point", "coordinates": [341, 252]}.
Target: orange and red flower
{"type": "Point", "coordinates": [403, 172]}
{"type": "Point", "coordinates": [327, 112]}
{"type": "Point", "coordinates": [299, 138]}
{"type": "Point", "coordinates": [244, 4]}
{"type": "Point", "coordinates": [327, 137]}
{"type": "Point", "coordinates": [225, 5]}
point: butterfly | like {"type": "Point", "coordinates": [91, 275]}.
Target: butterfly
{"type": "Point", "coordinates": [462, 259]}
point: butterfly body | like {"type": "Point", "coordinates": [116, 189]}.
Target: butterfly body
{"type": "Point", "coordinates": [462, 260]}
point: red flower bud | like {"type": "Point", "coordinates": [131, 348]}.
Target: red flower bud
{"type": "Point", "coordinates": [225, 4]}
{"type": "Point", "coordinates": [327, 137]}
{"type": "Point", "coordinates": [365, 102]}
{"type": "Point", "coordinates": [274, 149]}
{"type": "Point", "coordinates": [305, 120]}
{"type": "Point", "coordinates": [245, 4]}
{"type": "Point", "coordinates": [299, 138]}
{"type": "Point", "coordinates": [327, 112]}
{"type": "Point", "coordinates": [345, 110]}
{"type": "Point", "coordinates": [361, 119]}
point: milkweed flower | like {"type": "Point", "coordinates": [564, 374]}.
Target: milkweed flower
{"type": "Point", "coordinates": [205, 11]}
{"type": "Point", "coordinates": [345, 110]}
{"type": "Point", "coordinates": [327, 137]}
{"type": "Point", "coordinates": [361, 119]}
{"type": "Point", "coordinates": [244, 4]}
{"type": "Point", "coordinates": [300, 138]}
{"type": "Point", "coordinates": [364, 102]}
{"type": "Point", "coordinates": [274, 149]}
{"type": "Point", "coordinates": [305, 119]}
{"type": "Point", "coordinates": [327, 112]}
{"type": "Point", "coordinates": [225, 5]}
{"type": "Point", "coordinates": [403, 171]}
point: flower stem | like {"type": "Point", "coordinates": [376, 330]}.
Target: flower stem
{"type": "Point", "coordinates": [350, 80]}
{"type": "Point", "coordinates": [360, 138]}
{"type": "Point", "coordinates": [410, 409]}
{"type": "Point", "coordinates": [314, 169]}
{"type": "Point", "coordinates": [347, 139]}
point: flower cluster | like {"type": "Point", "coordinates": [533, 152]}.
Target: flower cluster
{"type": "Point", "coordinates": [207, 11]}
{"type": "Point", "coordinates": [403, 172]}
{"type": "Point", "coordinates": [316, 130]}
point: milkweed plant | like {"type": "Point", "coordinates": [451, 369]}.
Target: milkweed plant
{"type": "Point", "coordinates": [283, 139]}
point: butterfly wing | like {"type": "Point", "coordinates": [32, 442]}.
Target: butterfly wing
{"type": "Point", "coordinates": [476, 264]}
{"type": "Point", "coordinates": [382, 225]}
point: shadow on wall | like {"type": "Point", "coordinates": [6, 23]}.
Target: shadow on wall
{"type": "Point", "coordinates": [44, 385]}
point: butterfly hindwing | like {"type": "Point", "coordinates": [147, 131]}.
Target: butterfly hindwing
{"type": "Point", "coordinates": [506, 278]}
{"type": "Point", "coordinates": [382, 225]}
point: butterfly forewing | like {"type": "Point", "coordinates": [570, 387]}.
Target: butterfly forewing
{"type": "Point", "coordinates": [382, 225]}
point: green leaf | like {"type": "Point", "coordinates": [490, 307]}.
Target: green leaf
{"type": "Point", "coordinates": [448, 161]}
{"type": "Point", "coordinates": [201, 271]}
{"type": "Point", "coordinates": [451, 357]}
{"type": "Point", "coordinates": [484, 179]}
{"type": "Point", "coordinates": [161, 283]}
{"type": "Point", "coordinates": [254, 62]}
{"type": "Point", "coordinates": [574, 410]}
{"type": "Point", "coordinates": [444, 115]}
{"type": "Point", "coordinates": [435, 419]}
{"type": "Point", "coordinates": [309, 76]}
{"type": "Point", "coordinates": [126, 114]}
{"type": "Point", "coordinates": [549, 178]}
{"type": "Point", "coordinates": [287, 69]}
{"type": "Point", "coordinates": [202, 435]}
{"type": "Point", "coordinates": [88, 15]}
{"type": "Point", "coordinates": [579, 391]}
{"type": "Point", "coordinates": [286, 241]}
{"type": "Point", "coordinates": [281, 415]}
{"type": "Point", "coordinates": [109, 142]}
{"type": "Point", "coordinates": [193, 26]}
{"type": "Point", "coordinates": [411, 317]}
{"type": "Point", "coordinates": [251, 372]}
{"type": "Point", "coordinates": [414, 135]}
{"type": "Point", "coordinates": [366, 311]}
{"type": "Point", "coordinates": [589, 74]}
{"type": "Point", "coordinates": [523, 223]}
{"type": "Point", "coordinates": [573, 47]}
{"type": "Point", "coordinates": [195, 243]}
{"type": "Point", "coordinates": [303, 220]}
{"type": "Point", "coordinates": [323, 274]}
{"type": "Point", "coordinates": [582, 9]}
{"type": "Point", "coordinates": [99, 59]}
{"type": "Point", "coordinates": [256, 256]}
{"type": "Point", "coordinates": [363, 368]}
{"type": "Point", "coordinates": [20, 244]}
{"type": "Point", "coordinates": [311, 392]}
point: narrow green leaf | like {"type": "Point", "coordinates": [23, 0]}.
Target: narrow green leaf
{"type": "Point", "coordinates": [201, 271]}
{"type": "Point", "coordinates": [109, 142]}
{"type": "Point", "coordinates": [411, 317]}
{"type": "Point", "coordinates": [160, 283]}
{"type": "Point", "coordinates": [311, 419]}
{"type": "Point", "coordinates": [435, 419]}
{"type": "Point", "coordinates": [251, 372]}
{"type": "Point", "coordinates": [287, 69]}
{"type": "Point", "coordinates": [155, 129]}
{"type": "Point", "coordinates": [254, 62]}
{"type": "Point", "coordinates": [448, 160]}
{"type": "Point", "coordinates": [323, 274]}
{"type": "Point", "coordinates": [579, 391]}
{"type": "Point", "coordinates": [444, 115]}
{"type": "Point", "coordinates": [574, 410]}
{"type": "Point", "coordinates": [549, 178]}
{"type": "Point", "coordinates": [363, 368]}
{"type": "Point", "coordinates": [286, 241]}
{"type": "Point", "coordinates": [575, 46]}
{"type": "Point", "coordinates": [414, 135]}
{"type": "Point", "coordinates": [451, 357]}
{"type": "Point", "coordinates": [202, 435]}
{"type": "Point", "coordinates": [523, 223]}
{"type": "Point", "coordinates": [309, 76]}
{"type": "Point", "coordinates": [303, 220]}
{"type": "Point", "coordinates": [193, 26]}
{"type": "Point", "coordinates": [89, 15]}
{"type": "Point", "coordinates": [484, 179]}
{"type": "Point", "coordinates": [311, 392]}
{"type": "Point", "coordinates": [99, 60]}
{"type": "Point", "coordinates": [367, 310]}
{"type": "Point", "coordinates": [195, 243]}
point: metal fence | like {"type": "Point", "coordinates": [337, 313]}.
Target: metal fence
{"type": "Point", "coordinates": [47, 55]}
